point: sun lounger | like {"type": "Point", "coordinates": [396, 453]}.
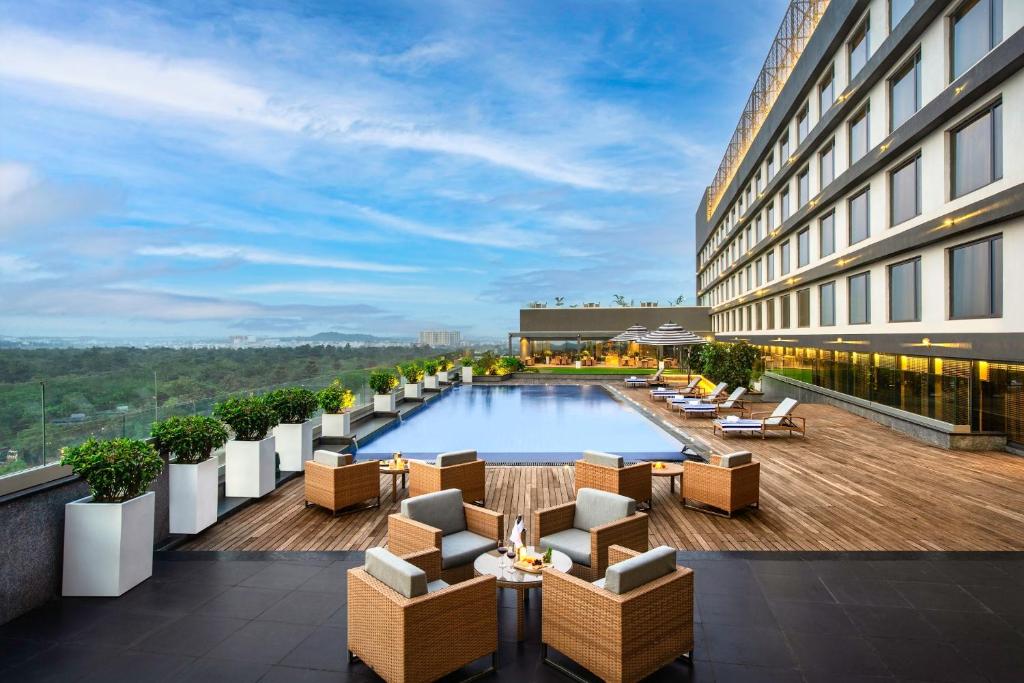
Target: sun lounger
{"type": "Point", "coordinates": [734, 401]}
{"type": "Point", "coordinates": [780, 419]}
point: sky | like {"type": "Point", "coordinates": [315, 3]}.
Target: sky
{"type": "Point", "coordinates": [276, 169]}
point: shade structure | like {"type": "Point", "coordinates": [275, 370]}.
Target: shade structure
{"type": "Point", "coordinates": [671, 334]}
{"type": "Point", "coordinates": [632, 334]}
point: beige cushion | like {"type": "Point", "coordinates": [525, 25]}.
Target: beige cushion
{"type": "Point", "coordinates": [624, 576]}
{"type": "Point", "coordinates": [391, 570]}
{"type": "Point", "coordinates": [454, 458]}
{"type": "Point", "coordinates": [332, 459]}
{"type": "Point", "coordinates": [597, 508]}
{"type": "Point", "coordinates": [603, 459]}
{"type": "Point", "coordinates": [734, 459]}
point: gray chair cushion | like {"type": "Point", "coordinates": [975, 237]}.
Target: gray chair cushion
{"type": "Point", "coordinates": [597, 508]}
{"type": "Point", "coordinates": [604, 459]}
{"type": "Point", "coordinates": [734, 459]}
{"type": "Point", "coordinates": [454, 458]}
{"type": "Point", "coordinates": [332, 459]}
{"type": "Point", "coordinates": [573, 542]}
{"type": "Point", "coordinates": [624, 576]}
{"type": "Point", "coordinates": [463, 547]}
{"type": "Point", "coordinates": [435, 586]}
{"type": "Point", "coordinates": [599, 583]}
{"type": "Point", "coordinates": [391, 570]}
{"type": "Point", "coordinates": [441, 510]}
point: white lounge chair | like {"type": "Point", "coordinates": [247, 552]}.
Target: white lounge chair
{"type": "Point", "coordinates": [780, 419]}
{"type": "Point", "coordinates": [734, 401]}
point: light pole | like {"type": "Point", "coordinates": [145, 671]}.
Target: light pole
{"type": "Point", "coordinates": [42, 414]}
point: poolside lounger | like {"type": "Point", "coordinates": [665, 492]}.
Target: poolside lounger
{"type": "Point", "coordinates": [655, 379]}
{"type": "Point", "coordinates": [780, 419]}
{"type": "Point", "coordinates": [635, 382]}
{"type": "Point", "coordinates": [734, 401]}
{"type": "Point", "coordinates": [699, 408]}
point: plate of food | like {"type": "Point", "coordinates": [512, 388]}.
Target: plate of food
{"type": "Point", "coordinates": [533, 564]}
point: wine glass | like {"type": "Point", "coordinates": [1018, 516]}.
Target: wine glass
{"type": "Point", "coordinates": [502, 549]}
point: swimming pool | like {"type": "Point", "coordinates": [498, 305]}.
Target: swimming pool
{"type": "Point", "coordinates": [526, 423]}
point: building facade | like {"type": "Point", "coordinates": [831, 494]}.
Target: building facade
{"type": "Point", "coordinates": [864, 225]}
{"type": "Point", "coordinates": [445, 338]}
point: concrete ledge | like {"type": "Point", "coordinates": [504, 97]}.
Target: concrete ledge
{"type": "Point", "coordinates": [926, 429]}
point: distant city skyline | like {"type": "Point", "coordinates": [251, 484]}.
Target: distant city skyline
{"type": "Point", "coordinates": [169, 169]}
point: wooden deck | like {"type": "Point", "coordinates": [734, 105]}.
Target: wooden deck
{"type": "Point", "coordinates": [850, 485]}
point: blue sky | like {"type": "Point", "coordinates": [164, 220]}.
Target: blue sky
{"type": "Point", "coordinates": [205, 169]}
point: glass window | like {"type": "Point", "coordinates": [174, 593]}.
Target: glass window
{"type": "Point", "coordinates": [784, 258]}
{"type": "Point", "coordinates": [905, 291]}
{"type": "Point", "coordinates": [803, 308]}
{"type": "Point", "coordinates": [784, 303]}
{"type": "Point", "coordinates": [803, 187]}
{"type": "Point", "coordinates": [977, 149]}
{"type": "Point", "coordinates": [750, 313]}
{"type": "Point", "coordinates": [758, 229]}
{"type": "Point", "coordinates": [784, 148]}
{"type": "Point", "coordinates": [750, 232]}
{"type": "Point", "coordinates": [976, 279]}
{"type": "Point", "coordinates": [769, 311]}
{"type": "Point", "coordinates": [860, 228]}
{"type": "Point", "coordinates": [769, 266]}
{"type": "Point", "coordinates": [859, 49]}
{"type": "Point", "coordinates": [826, 166]}
{"type": "Point", "coordinates": [758, 186]}
{"type": "Point", "coordinates": [771, 164]}
{"type": "Point", "coordinates": [897, 10]}
{"type": "Point", "coordinates": [770, 216]}
{"type": "Point", "coordinates": [859, 144]}
{"type": "Point", "coordinates": [827, 304]}
{"type": "Point", "coordinates": [757, 272]}
{"type": "Point", "coordinates": [976, 28]}
{"type": "Point", "coordinates": [827, 234]}
{"type": "Point", "coordinates": [826, 95]}
{"type": "Point", "coordinates": [803, 124]}
{"type": "Point", "coordinates": [803, 247]}
{"type": "Point", "coordinates": [760, 320]}
{"type": "Point", "coordinates": [859, 287]}
{"type": "Point", "coordinates": [784, 201]}
{"type": "Point", "coordinates": [905, 92]}
{"type": "Point", "coordinates": [905, 191]}
{"type": "Point", "coordinates": [750, 281]}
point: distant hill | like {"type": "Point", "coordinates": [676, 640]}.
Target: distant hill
{"type": "Point", "coordinates": [346, 337]}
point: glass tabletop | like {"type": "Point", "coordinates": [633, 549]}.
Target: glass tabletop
{"type": "Point", "coordinates": [487, 564]}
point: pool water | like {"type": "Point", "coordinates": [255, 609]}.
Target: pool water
{"type": "Point", "coordinates": [527, 423]}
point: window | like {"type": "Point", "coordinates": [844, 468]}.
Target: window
{"type": "Point", "coordinates": [770, 216]}
{"type": "Point", "coordinates": [976, 28]}
{"type": "Point", "coordinates": [905, 191]}
{"type": "Point", "coordinates": [750, 232]}
{"type": "Point", "coordinates": [976, 279]}
{"type": "Point", "coordinates": [784, 258]}
{"type": "Point", "coordinates": [803, 247]}
{"type": "Point", "coordinates": [859, 287]}
{"type": "Point", "coordinates": [769, 266]}
{"type": "Point", "coordinates": [771, 164]}
{"type": "Point", "coordinates": [758, 186]}
{"type": "Point", "coordinates": [859, 48]}
{"type": "Point", "coordinates": [803, 308]}
{"type": "Point", "coordinates": [769, 312]}
{"type": "Point", "coordinates": [748, 196]}
{"type": "Point", "coordinates": [758, 229]}
{"type": "Point", "coordinates": [826, 166]}
{"type": "Point", "coordinates": [826, 93]}
{"type": "Point", "coordinates": [827, 304]}
{"type": "Point", "coordinates": [905, 92]}
{"type": "Point", "coordinates": [760, 320]}
{"type": "Point", "coordinates": [803, 125]}
{"type": "Point", "coordinates": [784, 201]}
{"type": "Point", "coordinates": [827, 234]}
{"type": "Point", "coordinates": [757, 272]}
{"type": "Point", "coordinates": [750, 313]}
{"type": "Point", "coordinates": [783, 149]}
{"type": "Point", "coordinates": [803, 187]}
{"type": "Point", "coordinates": [750, 281]}
{"type": "Point", "coordinates": [977, 150]}
{"type": "Point", "coordinates": [784, 302]}
{"type": "Point", "coordinates": [859, 144]}
{"type": "Point", "coordinates": [897, 10]}
{"type": "Point", "coordinates": [860, 228]}
{"type": "Point", "coordinates": [905, 291]}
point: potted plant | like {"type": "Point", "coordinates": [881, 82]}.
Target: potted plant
{"type": "Point", "coordinates": [413, 373]}
{"type": "Point", "coordinates": [335, 400]}
{"type": "Point", "coordinates": [190, 440]}
{"type": "Point", "coordinates": [430, 375]}
{"type": "Point", "coordinates": [108, 535]}
{"type": "Point", "coordinates": [294, 408]}
{"type": "Point", "coordinates": [443, 366]}
{"type": "Point", "coordinates": [467, 368]}
{"type": "Point", "coordinates": [249, 456]}
{"type": "Point", "coordinates": [383, 383]}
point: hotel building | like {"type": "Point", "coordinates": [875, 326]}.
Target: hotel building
{"type": "Point", "coordinates": [441, 338]}
{"type": "Point", "coordinates": [863, 225]}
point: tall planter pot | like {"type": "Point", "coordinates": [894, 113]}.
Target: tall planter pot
{"type": "Point", "coordinates": [430, 382]}
{"type": "Point", "coordinates": [414, 390]}
{"type": "Point", "coordinates": [467, 374]}
{"type": "Point", "coordinates": [336, 425]}
{"type": "Point", "coordinates": [384, 403]}
{"type": "Point", "coordinates": [249, 468]}
{"type": "Point", "coordinates": [193, 497]}
{"type": "Point", "coordinates": [108, 547]}
{"type": "Point", "coordinates": [444, 376]}
{"type": "Point", "coordinates": [294, 444]}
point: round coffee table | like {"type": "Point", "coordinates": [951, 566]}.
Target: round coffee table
{"type": "Point", "coordinates": [519, 581]}
{"type": "Point", "coordinates": [385, 468]}
{"type": "Point", "coordinates": [670, 470]}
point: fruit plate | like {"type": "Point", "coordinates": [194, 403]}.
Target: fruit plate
{"type": "Point", "coordinates": [529, 567]}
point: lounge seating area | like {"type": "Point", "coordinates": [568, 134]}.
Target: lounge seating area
{"type": "Point", "coordinates": [761, 422]}
{"type": "Point", "coordinates": [461, 470]}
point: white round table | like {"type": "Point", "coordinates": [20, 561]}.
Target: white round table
{"type": "Point", "coordinates": [519, 581]}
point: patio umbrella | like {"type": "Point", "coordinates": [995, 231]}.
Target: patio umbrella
{"type": "Point", "coordinates": [632, 334]}
{"type": "Point", "coordinates": [671, 334]}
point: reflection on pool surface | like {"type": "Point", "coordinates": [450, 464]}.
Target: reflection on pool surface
{"type": "Point", "coordinates": [529, 423]}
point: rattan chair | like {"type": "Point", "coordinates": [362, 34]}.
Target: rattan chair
{"type": "Point", "coordinates": [421, 639]}
{"type": "Point", "coordinates": [618, 637]}
{"type": "Point", "coordinates": [629, 531]}
{"type": "Point", "coordinates": [468, 476]}
{"type": "Point", "coordinates": [632, 481]}
{"type": "Point", "coordinates": [725, 485]}
{"type": "Point", "coordinates": [343, 486]}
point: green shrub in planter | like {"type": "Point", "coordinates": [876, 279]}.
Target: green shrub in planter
{"type": "Point", "coordinates": [190, 439]}
{"type": "Point", "coordinates": [430, 367]}
{"type": "Point", "coordinates": [507, 365]}
{"type": "Point", "coordinates": [335, 398]}
{"type": "Point", "coordinates": [294, 405]}
{"type": "Point", "coordinates": [443, 364]}
{"type": "Point", "coordinates": [484, 365]}
{"type": "Point", "coordinates": [383, 381]}
{"type": "Point", "coordinates": [412, 371]}
{"type": "Point", "coordinates": [116, 470]}
{"type": "Point", "coordinates": [249, 417]}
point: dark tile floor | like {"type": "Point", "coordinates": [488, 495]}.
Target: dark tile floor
{"type": "Point", "coordinates": [758, 617]}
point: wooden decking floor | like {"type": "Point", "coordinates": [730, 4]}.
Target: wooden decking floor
{"type": "Point", "coordinates": [850, 485]}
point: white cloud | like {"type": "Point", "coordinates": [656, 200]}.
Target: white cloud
{"type": "Point", "coordinates": [229, 252]}
{"type": "Point", "coordinates": [15, 268]}
{"type": "Point", "coordinates": [414, 294]}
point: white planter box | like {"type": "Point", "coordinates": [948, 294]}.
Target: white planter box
{"type": "Point", "coordinates": [430, 382]}
{"type": "Point", "coordinates": [661, 365]}
{"type": "Point", "coordinates": [384, 403]}
{"type": "Point", "coordinates": [336, 424]}
{"type": "Point", "coordinates": [193, 499]}
{"type": "Point", "coordinates": [249, 468]}
{"type": "Point", "coordinates": [294, 445]}
{"type": "Point", "coordinates": [467, 375]}
{"type": "Point", "coordinates": [108, 547]}
{"type": "Point", "coordinates": [444, 376]}
{"type": "Point", "coordinates": [414, 390]}
{"type": "Point", "coordinates": [579, 364]}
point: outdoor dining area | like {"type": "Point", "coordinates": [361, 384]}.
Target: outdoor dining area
{"type": "Point", "coordinates": [636, 347]}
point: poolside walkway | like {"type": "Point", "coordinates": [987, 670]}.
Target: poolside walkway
{"type": "Point", "coordinates": [850, 485]}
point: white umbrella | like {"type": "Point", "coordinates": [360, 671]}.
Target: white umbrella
{"type": "Point", "coordinates": [671, 334]}
{"type": "Point", "coordinates": [632, 334]}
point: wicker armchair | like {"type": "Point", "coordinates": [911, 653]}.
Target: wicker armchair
{"type": "Point", "coordinates": [406, 535]}
{"type": "Point", "coordinates": [630, 531]}
{"type": "Point", "coordinates": [467, 475]}
{"type": "Point", "coordinates": [725, 485]}
{"type": "Point", "coordinates": [604, 472]}
{"type": "Point", "coordinates": [421, 639]}
{"type": "Point", "coordinates": [618, 637]}
{"type": "Point", "coordinates": [343, 486]}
